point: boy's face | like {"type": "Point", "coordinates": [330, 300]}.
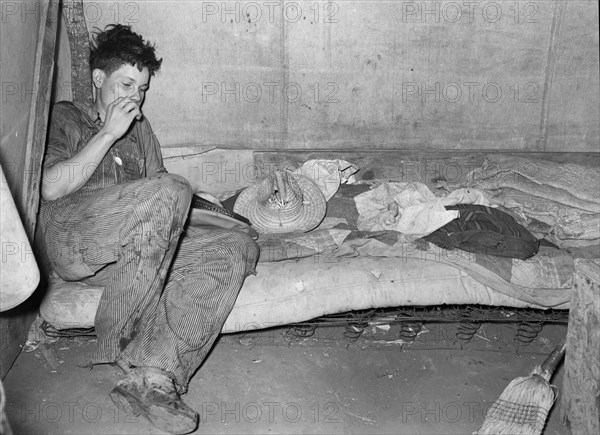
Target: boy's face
{"type": "Point", "coordinates": [127, 81]}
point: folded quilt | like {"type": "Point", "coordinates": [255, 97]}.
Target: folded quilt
{"type": "Point", "coordinates": [569, 224]}
{"type": "Point", "coordinates": [563, 197]}
{"type": "Point", "coordinates": [523, 184]}
{"type": "Point", "coordinates": [555, 179]}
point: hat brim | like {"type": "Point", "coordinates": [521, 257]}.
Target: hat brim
{"type": "Point", "coordinates": [267, 220]}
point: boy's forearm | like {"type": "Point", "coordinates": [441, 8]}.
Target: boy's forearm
{"type": "Point", "coordinates": [70, 175]}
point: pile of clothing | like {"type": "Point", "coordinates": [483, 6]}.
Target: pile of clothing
{"type": "Point", "coordinates": [556, 201]}
{"type": "Point", "coordinates": [506, 206]}
{"type": "Point", "coordinates": [462, 219]}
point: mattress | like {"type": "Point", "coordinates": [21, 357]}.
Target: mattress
{"type": "Point", "coordinates": [297, 290]}
{"type": "Point", "coordinates": [338, 269]}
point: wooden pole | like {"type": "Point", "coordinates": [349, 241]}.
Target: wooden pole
{"type": "Point", "coordinates": [38, 114]}
{"type": "Point", "coordinates": [79, 42]}
{"type": "Point", "coordinates": [581, 384]}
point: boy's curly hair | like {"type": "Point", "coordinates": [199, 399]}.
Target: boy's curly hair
{"type": "Point", "coordinates": [118, 45]}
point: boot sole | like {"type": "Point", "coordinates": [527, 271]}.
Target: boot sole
{"type": "Point", "coordinates": [165, 418]}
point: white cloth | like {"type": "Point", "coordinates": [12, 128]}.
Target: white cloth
{"type": "Point", "coordinates": [468, 196]}
{"type": "Point", "coordinates": [410, 208]}
{"type": "Point", "coordinates": [328, 174]}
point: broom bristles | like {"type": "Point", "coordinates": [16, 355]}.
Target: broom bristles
{"type": "Point", "coordinates": [522, 407]}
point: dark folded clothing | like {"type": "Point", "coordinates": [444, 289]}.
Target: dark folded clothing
{"type": "Point", "coordinates": [485, 230]}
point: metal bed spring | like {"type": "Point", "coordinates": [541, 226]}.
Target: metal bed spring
{"type": "Point", "coordinates": [468, 319]}
{"type": "Point", "coordinates": [410, 320]}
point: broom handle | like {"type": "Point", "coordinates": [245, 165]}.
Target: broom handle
{"type": "Point", "coordinates": [554, 358]}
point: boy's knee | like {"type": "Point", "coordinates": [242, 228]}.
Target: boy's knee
{"type": "Point", "coordinates": [163, 201]}
{"type": "Point", "coordinates": [174, 185]}
{"type": "Point", "coordinates": [172, 191]}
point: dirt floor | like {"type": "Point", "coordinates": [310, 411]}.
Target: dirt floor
{"type": "Point", "coordinates": [276, 381]}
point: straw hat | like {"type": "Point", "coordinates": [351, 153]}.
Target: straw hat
{"type": "Point", "coordinates": [282, 202]}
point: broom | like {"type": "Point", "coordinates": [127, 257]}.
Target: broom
{"type": "Point", "coordinates": [524, 404]}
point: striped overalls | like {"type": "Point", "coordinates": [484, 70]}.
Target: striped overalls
{"type": "Point", "coordinates": [168, 288]}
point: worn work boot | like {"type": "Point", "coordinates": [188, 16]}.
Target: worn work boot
{"type": "Point", "coordinates": [150, 392]}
